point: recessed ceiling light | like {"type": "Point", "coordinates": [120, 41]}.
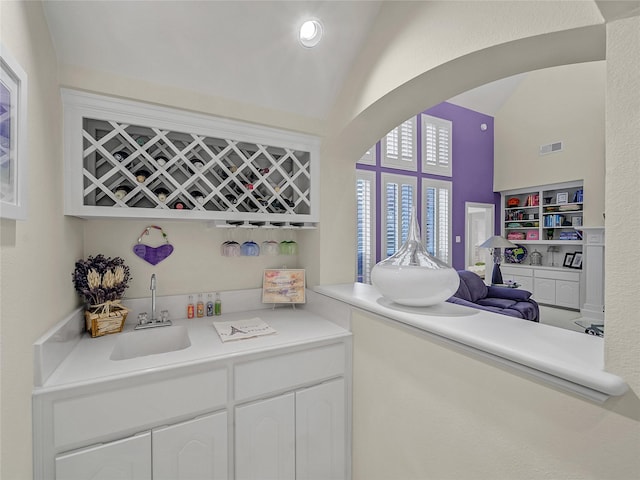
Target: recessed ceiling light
{"type": "Point", "coordinates": [310, 33]}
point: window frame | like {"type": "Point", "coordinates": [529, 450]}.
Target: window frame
{"type": "Point", "coordinates": [410, 165]}
{"type": "Point", "coordinates": [428, 183]}
{"type": "Point", "coordinates": [370, 176]}
{"type": "Point", "coordinates": [369, 157]}
{"type": "Point", "coordinates": [400, 179]}
{"type": "Point", "coordinates": [440, 123]}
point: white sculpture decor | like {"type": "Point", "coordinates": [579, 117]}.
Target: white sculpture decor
{"type": "Point", "coordinates": [413, 277]}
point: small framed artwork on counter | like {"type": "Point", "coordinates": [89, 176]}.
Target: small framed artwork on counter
{"type": "Point", "coordinates": [283, 286]}
{"type": "Point", "coordinates": [568, 260]}
{"type": "Point", "coordinates": [576, 262]}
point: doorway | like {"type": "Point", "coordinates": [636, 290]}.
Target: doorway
{"type": "Point", "coordinates": [479, 226]}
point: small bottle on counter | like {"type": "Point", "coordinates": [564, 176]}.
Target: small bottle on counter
{"type": "Point", "coordinates": [218, 305]}
{"type": "Point", "coordinates": [190, 308]}
{"type": "Point", "coordinates": [209, 305]}
{"type": "Point", "coordinates": [200, 307]}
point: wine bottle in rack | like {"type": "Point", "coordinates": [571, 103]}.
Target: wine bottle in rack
{"type": "Point", "coordinates": [197, 164]}
{"type": "Point", "coordinates": [233, 199]}
{"type": "Point", "coordinates": [121, 191]}
{"type": "Point", "coordinates": [120, 155]}
{"type": "Point", "coordinates": [142, 175]}
{"type": "Point", "coordinates": [161, 161]}
{"type": "Point", "coordinates": [162, 194]}
{"type": "Point", "coordinates": [180, 205]}
{"type": "Point", "coordinates": [197, 196]}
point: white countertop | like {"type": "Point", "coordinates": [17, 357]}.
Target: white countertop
{"type": "Point", "coordinates": [89, 361]}
{"type": "Point", "coordinates": [574, 357]}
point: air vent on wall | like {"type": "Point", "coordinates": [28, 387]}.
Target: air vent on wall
{"type": "Point", "coordinates": [550, 148]}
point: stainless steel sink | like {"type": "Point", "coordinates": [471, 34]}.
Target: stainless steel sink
{"type": "Point", "coordinates": [150, 342]}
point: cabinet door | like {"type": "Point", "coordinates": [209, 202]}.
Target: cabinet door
{"type": "Point", "coordinates": [321, 432]}
{"type": "Point", "coordinates": [568, 293]}
{"type": "Point", "coordinates": [265, 439]}
{"type": "Point", "coordinates": [128, 459]}
{"type": "Point", "coordinates": [525, 283]}
{"type": "Point", "coordinates": [544, 290]}
{"type": "Point", "coordinates": [193, 450]}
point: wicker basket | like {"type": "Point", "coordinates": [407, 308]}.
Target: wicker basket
{"type": "Point", "coordinates": [105, 319]}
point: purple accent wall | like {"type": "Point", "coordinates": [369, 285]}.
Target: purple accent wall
{"type": "Point", "coordinates": [472, 151]}
{"type": "Point", "coordinates": [472, 179]}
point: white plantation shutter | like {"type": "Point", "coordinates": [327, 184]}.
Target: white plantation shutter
{"type": "Point", "coordinates": [399, 147]}
{"type": "Point", "coordinates": [436, 218]}
{"type": "Point", "coordinates": [399, 191]}
{"type": "Point", "coordinates": [436, 145]}
{"type": "Point", "coordinates": [365, 225]}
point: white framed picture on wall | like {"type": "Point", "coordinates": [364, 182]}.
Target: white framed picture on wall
{"type": "Point", "coordinates": [13, 137]}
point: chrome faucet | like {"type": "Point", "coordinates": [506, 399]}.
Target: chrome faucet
{"type": "Point", "coordinates": [144, 321]}
{"type": "Point", "coordinates": [153, 297]}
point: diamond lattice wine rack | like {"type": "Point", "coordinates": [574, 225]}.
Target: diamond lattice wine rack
{"type": "Point", "coordinates": [128, 159]}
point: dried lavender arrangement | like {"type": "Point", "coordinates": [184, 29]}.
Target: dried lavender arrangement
{"type": "Point", "coordinates": [101, 282]}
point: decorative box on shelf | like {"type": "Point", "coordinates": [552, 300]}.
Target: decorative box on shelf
{"type": "Point", "coordinates": [571, 235]}
{"type": "Point", "coordinates": [130, 159]}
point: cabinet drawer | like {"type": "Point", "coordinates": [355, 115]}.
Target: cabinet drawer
{"type": "Point", "coordinates": [127, 458]}
{"type": "Point", "coordinates": [82, 420]}
{"type": "Point", "coordinates": [290, 370]}
{"type": "Point", "coordinates": [558, 275]}
{"type": "Point", "coordinates": [525, 272]}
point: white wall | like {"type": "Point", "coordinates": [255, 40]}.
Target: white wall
{"type": "Point", "coordinates": [555, 104]}
{"type": "Point", "coordinates": [37, 255]}
{"type": "Point", "coordinates": [622, 258]}
{"type": "Point", "coordinates": [196, 264]}
{"type": "Point", "coordinates": [424, 410]}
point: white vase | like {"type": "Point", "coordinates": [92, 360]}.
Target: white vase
{"type": "Point", "coordinates": [413, 277]}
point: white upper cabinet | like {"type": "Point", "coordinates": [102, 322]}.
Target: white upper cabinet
{"type": "Point", "coordinates": [133, 160]}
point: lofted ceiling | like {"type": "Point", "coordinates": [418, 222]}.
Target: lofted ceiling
{"type": "Point", "coordinates": [246, 51]}
{"type": "Point", "coordinates": [241, 50]}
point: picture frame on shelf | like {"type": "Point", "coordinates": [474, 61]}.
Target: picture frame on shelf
{"type": "Point", "coordinates": [562, 197]}
{"type": "Point", "coordinates": [576, 221]}
{"type": "Point", "coordinates": [568, 260]}
{"type": "Point", "coordinates": [13, 137]}
{"type": "Point", "coordinates": [576, 262]}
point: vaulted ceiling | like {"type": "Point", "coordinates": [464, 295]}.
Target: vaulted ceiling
{"type": "Point", "coordinates": [245, 51]}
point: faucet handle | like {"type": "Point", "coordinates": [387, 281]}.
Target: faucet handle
{"type": "Point", "coordinates": [143, 318]}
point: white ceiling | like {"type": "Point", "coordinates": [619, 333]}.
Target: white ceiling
{"type": "Point", "coordinates": [241, 50]}
{"type": "Point", "coordinates": [245, 51]}
{"type": "Point", "coordinates": [489, 98]}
